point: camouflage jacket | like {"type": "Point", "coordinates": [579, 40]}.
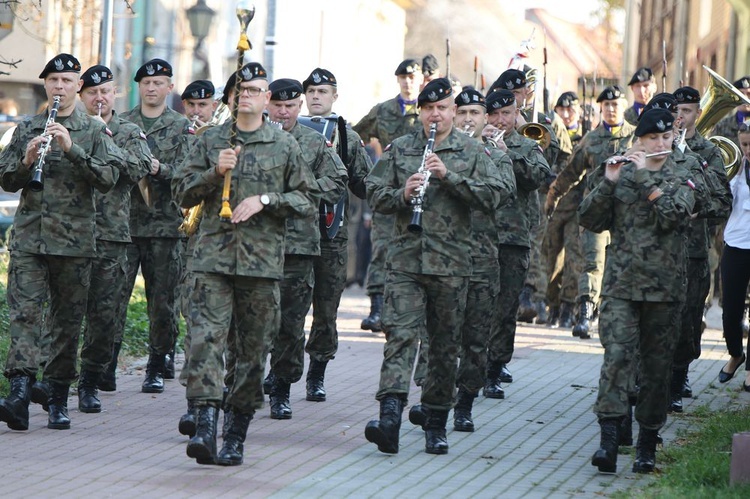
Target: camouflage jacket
{"type": "Point", "coordinates": [699, 240]}
{"type": "Point", "coordinates": [646, 259]}
{"type": "Point", "coordinates": [113, 208]}
{"type": "Point", "coordinates": [358, 166]}
{"type": "Point", "coordinates": [472, 182]}
{"type": "Point", "coordinates": [559, 139]}
{"type": "Point", "coordinates": [514, 220]}
{"type": "Point", "coordinates": [270, 162]}
{"type": "Point", "coordinates": [728, 127]}
{"type": "Point", "coordinates": [303, 233]}
{"type": "Point", "coordinates": [61, 218]}
{"type": "Point", "coordinates": [386, 123]}
{"type": "Point", "coordinates": [169, 140]}
{"type": "Point", "coordinates": [631, 116]}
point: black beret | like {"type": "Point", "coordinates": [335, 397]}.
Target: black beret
{"type": "Point", "coordinates": [285, 89]}
{"type": "Point", "coordinates": [687, 95]}
{"type": "Point", "coordinates": [436, 90]}
{"type": "Point", "coordinates": [95, 76]}
{"type": "Point", "coordinates": [510, 79]}
{"type": "Point", "coordinates": [499, 99]}
{"type": "Point", "coordinates": [61, 63]}
{"type": "Point", "coordinates": [643, 74]}
{"type": "Point", "coordinates": [567, 99]}
{"type": "Point", "coordinates": [469, 96]}
{"type": "Point", "coordinates": [743, 82]}
{"type": "Point", "coordinates": [429, 64]}
{"type": "Point", "coordinates": [408, 67]}
{"type": "Point", "coordinates": [663, 100]}
{"type": "Point", "coordinates": [654, 121]}
{"type": "Point", "coordinates": [319, 76]}
{"type": "Point", "coordinates": [611, 92]}
{"type": "Point", "coordinates": [249, 72]}
{"type": "Point", "coordinates": [199, 89]}
{"type": "Point", "coordinates": [154, 67]}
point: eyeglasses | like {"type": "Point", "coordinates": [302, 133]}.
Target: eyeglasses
{"type": "Point", "coordinates": [252, 91]}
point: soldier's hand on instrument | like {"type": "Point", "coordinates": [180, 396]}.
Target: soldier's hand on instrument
{"type": "Point", "coordinates": [412, 184]}
{"type": "Point", "coordinates": [227, 160]}
{"type": "Point", "coordinates": [436, 166]}
{"type": "Point", "coordinates": [639, 159]}
{"type": "Point", "coordinates": [155, 166]}
{"type": "Point", "coordinates": [246, 209]}
{"type": "Point", "coordinates": [612, 167]}
{"type": "Point", "coordinates": [490, 131]}
{"type": "Point", "coordinates": [60, 135]}
{"type": "Point", "coordinates": [32, 150]}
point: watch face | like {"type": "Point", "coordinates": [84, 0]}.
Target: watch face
{"type": "Point", "coordinates": [264, 199]}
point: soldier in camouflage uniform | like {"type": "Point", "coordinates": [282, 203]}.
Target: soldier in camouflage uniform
{"type": "Point", "coordinates": [384, 123]}
{"type": "Point", "coordinates": [320, 89]}
{"type": "Point", "coordinates": [643, 86]}
{"type": "Point", "coordinates": [428, 271]}
{"type": "Point", "coordinates": [237, 266]}
{"type": "Point", "coordinates": [612, 135]}
{"type": "Point", "coordinates": [646, 205]}
{"type": "Point", "coordinates": [52, 242]}
{"type": "Point", "coordinates": [158, 245]}
{"type": "Point", "coordinates": [199, 103]}
{"type": "Point", "coordinates": [301, 246]}
{"type": "Point", "coordinates": [514, 241]}
{"type": "Point", "coordinates": [112, 238]}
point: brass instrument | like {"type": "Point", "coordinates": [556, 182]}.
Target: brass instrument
{"type": "Point", "coordinates": [36, 183]}
{"type": "Point", "coordinates": [719, 98]}
{"type": "Point", "coordinates": [493, 140]}
{"type": "Point", "coordinates": [534, 131]}
{"type": "Point", "coordinates": [417, 200]}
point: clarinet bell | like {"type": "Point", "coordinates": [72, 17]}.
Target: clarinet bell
{"type": "Point", "coordinates": [415, 226]}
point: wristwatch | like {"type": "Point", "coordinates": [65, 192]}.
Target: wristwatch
{"type": "Point", "coordinates": [265, 200]}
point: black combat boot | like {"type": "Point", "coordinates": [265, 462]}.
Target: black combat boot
{"type": "Point", "coordinates": [40, 394]}
{"type": "Point", "coordinates": [645, 451]}
{"type": "Point", "coordinates": [492, 388]}
{"type": "Point", "coordinates": [385, 431]}
{"type": "Point", "coordinates": [88, 395]}
{"type": "Point", "coordinates": [687, 390]}
{"type": "Point", "coordinates": [625, 434]}
{"type": "Point", "coordinates": [435, 441]}
{"type": "Point", "coordinates": [566, 315]}
{"type": "Point", "coordinates": [585, 316]}
{"type": "Point", "coordinates": [462, 420]}
{"type": "Point", "coordinates": [418, 415]}
{"type": "Point", "coordinates": [268, 383]}
{"type": "Point", "coordinates": [187, 421]}
{"type": "Point", "coordinates": [526, 309]}
{"type": "Point", "coordinates": [58, 407]}
{"type": "Point", "coordinates": [108, 379]}
{"type": "Point", "coordinates": [554, 316]}
{"type": "Point", "coordinates": [316, 392]}
{"type": "Point", "coordinates": [372, 321]}
{"type": "Point", "coordinates": [280, 407]}
{"type": "Point", "coordinates": [202, 446]}
{"type": "Point", "coordinates": [14, 409]}
{"type": "Point", "coordinates": [169, 365]}
{"type": "Point", "coordinates": [605, 458]}
{"type": "Point", "coordinates": [154, 382]}
{"type": "Point", "coordinates": [675, 390]}
{"type": "Point", "coordinates": [542, 316]}
{"type": "Point", "coordinates": [233, 434]}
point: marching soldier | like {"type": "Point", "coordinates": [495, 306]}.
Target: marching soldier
{"type": "Point", "coordinates": [100, 346]}
{"type": "Point", "coordinates": [301, 245]}
{"type": "Point", "coordinates": [52, 242]}
{"type": "Point", "coordinates": [157, 243]}
{"type": "Point", "coordinates": [387, 121]}
{"type": "Point", "coordinates": [199, 103]}
{"type": "Point", "coordinates": [321, 91]}
{"type": "Point", "coordinates": [514, 225]}
{"type": "Point", "coordinates": [643, 86]}
{"type": "Point", "coordinates": [421, 288]}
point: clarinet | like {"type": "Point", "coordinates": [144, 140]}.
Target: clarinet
{"type": "Point", "coordinates": [36, 184]}
{"type": "Point", "coordinates": [417, 200]}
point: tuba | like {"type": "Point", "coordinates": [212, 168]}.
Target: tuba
{"type": "Point", "coordinates": [534, 131]}
{"type": "Point", "coordinates": [720, 97]}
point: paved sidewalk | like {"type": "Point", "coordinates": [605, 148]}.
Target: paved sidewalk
{"type": "Point", "coordinates": [536, 443]}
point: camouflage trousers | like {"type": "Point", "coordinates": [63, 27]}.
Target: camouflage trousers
{"type": "Point", "coordinates": [330, 278]}
{"type": "Point", "coordinates": [160, 260]}
{"type": "Point", "coordinates": [217, 299]}
{"type": "Point", "coordinates": [514, 263]}
{"type": "Point", "coordinates": [104, 309]}
{"type": "Point", "coordinates": [412, 300]}
{"type": "Point", "coordinates": [642, 336]}
{"type": "Point", "coordinates": [593, 250]}
{"type": "Point", "coordinates": [536, 277]}
{"type": "Point", "coordinates": [288, 350]}
{"type": "Point", "coordinates": [382, 227]}
{"type": "Point", "coordinates": [32, 280]}
{"type": "Point", "coordinates": [561, 252]}
{"type": "Point", "coordinates": [187, 284]}
{"type": "Point", "coordinates": [689, 342]}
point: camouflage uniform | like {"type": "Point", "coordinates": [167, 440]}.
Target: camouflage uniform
{"type": "Point", "coordinates": [52, 241]}
{"type": "Point", "coordinates": [514, 222]}
{"type": "Point", "coordinates": [156, 243]}
{"type": "Point", "coordinates": [729, 127]}
{"type": "Point", "coordinates": [104, 310]}
{"type": "Point", "coordinates": [643, 285]}
{"type": "Point", "coordinates": [428, 274]}
{"type": "Point", "coordinates": [236, 267]}
{"type": "Point", "coordinates": [631, 114]}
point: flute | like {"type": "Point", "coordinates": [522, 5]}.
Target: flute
{"type": "Point", "coordinates": [650, 155]}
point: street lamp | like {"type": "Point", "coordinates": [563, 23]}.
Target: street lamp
{"type": "Point", "coordinates": [200, 16]}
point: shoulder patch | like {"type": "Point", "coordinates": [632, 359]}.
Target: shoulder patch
{"type": "Point", "coordinates": [541, 151]}
{"type": "Point", "coordinates": [328, 143]}
{"type": "Point", "coordinates": [142, 135]}
{"type": "Point", "coordinates": [190, 130]}
{"type": "Point", "coordinates": [107, 131]}
{"type": "Point", "coordinates": [487, 152]}
{"type": "Point", "coordinates": [704, 164]}
{"type": "Point", "coordinates": [362, 142]}
{"type": "Point", "coordinates": [549, 121]}
{"type": "Point", "coordinates": [387, 148]}
{"type": "Point", "coordinates": [690, 184]}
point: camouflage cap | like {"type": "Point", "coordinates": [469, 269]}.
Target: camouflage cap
{"type": "Point", "coordinates": [407, 67]}
{"type": "Point", "coordinates": [61, 63]}
{"type": "Point", "coordinates": [654, 121]}
{"type": "Point", "coordinates": [470, 96]}
{"type": "Point", "coordinates": [436, 90]}
{"type": "Point", "coordinates": [499, 99]}
{"type": "Point", "coordinates": [567, 99]}
{"type": "Point", "coordinates": [285, 89]}
{"type": "Point", "coordinates": [199, 89]}
{"type": "Point", "coordinates": [154, 67]}
{"type": "Point", "coordinates": [687, 95]}
{"type": "Point", "coordinates": [95, 76]}
{"type": "Point", "coordinates": [643, 74]}
{"type": "Point", "coordinates": [319, 76]}
{"type": "Point", "coordinates": [612, 92]}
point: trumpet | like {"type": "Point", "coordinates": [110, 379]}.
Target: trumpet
{"type": "Point", "coordinates": [36, 184]}
{"type": "Point", "coordinates": [417, 200]}
{"type": "Point", "coordinates": [494, 139]}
